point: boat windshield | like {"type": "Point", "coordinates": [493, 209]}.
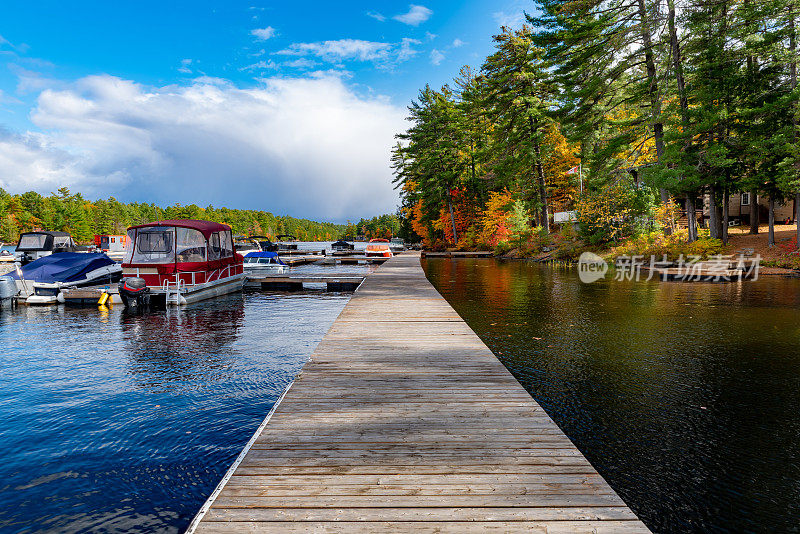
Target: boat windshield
{"type": "Point", "coordinates": [378, 246]}
{"type": "Point", "coordinates": [32, 242]}
{"type": "Point", "coordinates": [154, 245]}
{"type": "Point", "coordinates": [190, 245]}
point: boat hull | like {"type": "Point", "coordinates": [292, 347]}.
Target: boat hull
{"type": "Point", "coordinates": [188, 294]}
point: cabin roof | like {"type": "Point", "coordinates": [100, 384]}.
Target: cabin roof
{"type": "Point", "coordinates": [206, 227]}
{"type": "Point", "coordinates": [47, 232]}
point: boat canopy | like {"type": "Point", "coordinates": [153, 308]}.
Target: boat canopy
{"type": "Point", "coordinates": [204, 227]}
{"type": "Point", "coordinates": [63, 267]}
{"type": "Point", "coordinates": [184, 243]}
{"type": "Point", "coordinates": [44, 240]}
{"type": "Point", "coordinates": [272, 256]}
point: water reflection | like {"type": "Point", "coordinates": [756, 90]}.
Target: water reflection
{"type": "Point", "coordinates": [686, 397]}
{"type": "Point", "coordinates": [174, 347]}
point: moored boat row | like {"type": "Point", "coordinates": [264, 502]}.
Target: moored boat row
{"type": "Point", "coordinates": [164, 263]}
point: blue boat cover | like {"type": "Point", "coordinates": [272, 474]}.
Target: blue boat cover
{"type": "Point", "coordinates": [63, 267]}
{"type": "Point", "coordinates": [260, 254]}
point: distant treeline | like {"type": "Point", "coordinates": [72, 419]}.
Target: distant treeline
{"type": "Point", "coordinates": [71, 212]}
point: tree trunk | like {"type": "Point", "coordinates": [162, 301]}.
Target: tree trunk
{"type": "Point", "coordinates": [771, 220]}
{"type": "Point", "coordinates": [677, 64]}
{"type": "Point", "coordinates": [793, 81]}
{"type": "Point", "coordinates": [652, 90]}
{"type": "Point", "coordinates": [753, 212]}
{"type": "Point", "coordinates": [726, 200]}
{"type": "Point", "coordinates": [714, 226]}
{"type": "Point", "coordinates": [797, 217]}
{"type": "Point", "coordinates": [452, 220]}
{"type": "Point", "coordinates": [691, 217]}
{"type": "Point", "coordinates": [545, 218]}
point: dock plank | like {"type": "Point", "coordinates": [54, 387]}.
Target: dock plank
{"type": "Point", "coordinates": [404, 421]}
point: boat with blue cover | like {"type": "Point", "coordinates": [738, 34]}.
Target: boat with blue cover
{"type": "Point", "coordinates": [261, 264]}
{"type": "Point", "coordinates": [41, 281]}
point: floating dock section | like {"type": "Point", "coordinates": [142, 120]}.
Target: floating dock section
{"type": "Point", "coordinates": [404, 421]}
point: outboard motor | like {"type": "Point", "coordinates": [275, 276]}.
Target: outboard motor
{"type": "Point", "coordinates": [134, 293]}
{"type": "Point", "coordinates": [8, 290]}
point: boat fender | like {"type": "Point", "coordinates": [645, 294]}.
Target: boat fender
{"type": "Point", "coordinates": [103, 299]}
{"type": "Point", "coordinates": [60, 298]}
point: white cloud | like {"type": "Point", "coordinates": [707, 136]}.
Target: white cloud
{"type": "Point", "coordinates": [416, 15]}
{"type": "Point", "coordinates": [436, 57]}
{"type": "Point", "coordinates": [377, 16]}
{"type": "Point", "coordinates": [510, 20]}
{"type": "Point", "coordinates": [430, 36]}
{"type": "Point", "coordinates": [300, 63]}
{"type": "Point", "coordinates": [262, 65]}
{"type": "Point", "coordinates": [185, 64]}
{"type": "Point", "coordinates": [342, 49]}
{"type": "Point", "coordinates": [384, 55]}
{"type": "Point", "coordinates": [406, 51]}
{"type": "Point", "coordinates": [458, 43]}
{"type": "Point", "coordinates": [308, 147]}
{"type": "Point", "coordinates": [262, 34]}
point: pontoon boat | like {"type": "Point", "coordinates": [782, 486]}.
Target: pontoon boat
{"type": "Point", "coordinates": [179, 262]}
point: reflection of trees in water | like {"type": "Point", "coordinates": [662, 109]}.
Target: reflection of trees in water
{"type": "Point", "coordinates": [168, 349]}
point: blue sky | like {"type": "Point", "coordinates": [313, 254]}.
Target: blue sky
{"type": "Point", "coordinates": [285, 107]}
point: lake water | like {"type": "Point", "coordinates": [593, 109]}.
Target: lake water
{"type": "Point", "coordinates": [117, 423]}
{"type": "Point", "coordinates": [684, 396]}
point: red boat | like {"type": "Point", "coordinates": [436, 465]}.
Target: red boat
{"type": "Point", "coordinates": [378, 248]}
{"type": "Point", "coordinates": [179, 262]}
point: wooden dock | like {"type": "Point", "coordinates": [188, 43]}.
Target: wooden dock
{"type": "Point", "coordinates": [301, 260]}
{"type": "Point", "coordinates": [297, 282]}
{"type": "Point", "coordinates": [404, 421]}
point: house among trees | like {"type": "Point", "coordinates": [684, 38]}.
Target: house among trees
{"type": "Point", "coordinates": [740, 206]}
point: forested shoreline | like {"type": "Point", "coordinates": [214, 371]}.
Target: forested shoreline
{"type": "Point", "coordinates": [630, 112]}
{"type": "Point", "coordinates": [71, 212]}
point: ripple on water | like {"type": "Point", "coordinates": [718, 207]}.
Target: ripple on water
{"type": "Point", "coordinates": [120, 423]}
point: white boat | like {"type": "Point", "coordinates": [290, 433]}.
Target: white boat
{"type": "Point", "coordinates": [178, 262]}
{"type": "Point", "coordinates": [262, 264]}
{"type": "Point", "coordinates": [35, 245]}
{"type": "Point", "coordinates": [397, 245]}
{"type": "Point", "coordinates": [245, 245]}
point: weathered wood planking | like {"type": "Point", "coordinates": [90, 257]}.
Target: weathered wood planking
{"type": "Point", "coordinates": [404, 421]}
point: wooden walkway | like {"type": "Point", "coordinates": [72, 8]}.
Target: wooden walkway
{"type": "Point", "coordinates": [404, 421]}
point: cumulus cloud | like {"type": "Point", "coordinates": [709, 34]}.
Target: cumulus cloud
{"type": "Point", "coordinates": [382, 54]}
{"type": "Point", "coordinates": [458, 43]}
{"type": "Point", "coordinates": [308, 147]}
{"type": "Point", "coordinates": [436, 57]}
{"type": "Point", "coordinates": [416, 15]}
{"type": "Point", "coordinates": [262, 34]}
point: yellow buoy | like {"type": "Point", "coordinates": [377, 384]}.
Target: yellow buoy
{"type": "Point", "coordinates": [103, 299]}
